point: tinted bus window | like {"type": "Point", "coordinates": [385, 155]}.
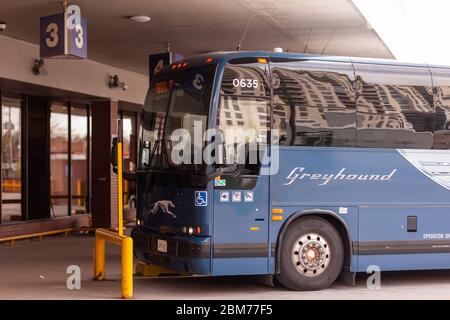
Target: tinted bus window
{"type": "Point", "coordinates": [245, 77]}
{"type": "Point", "coordinates": [244, 112]}
{"type": "Point", "coordinates": [441, 81]}
{"type": "Point", "coordinates": [244, 121]}
{"type": "Point", "coordinates": [314, 103]}
{"type": "Point", "coordinates": [395, 106]}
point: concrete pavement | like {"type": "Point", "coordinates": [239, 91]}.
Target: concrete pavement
{"type": "Point", "coordinates": [37, 270]}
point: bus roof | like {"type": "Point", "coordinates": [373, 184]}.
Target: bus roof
{"type": "Point", "coordinates": [225, 56]}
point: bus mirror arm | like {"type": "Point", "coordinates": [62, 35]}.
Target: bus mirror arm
{"type": "Point", "coordinates": [113, 157]}
{"type": "Point", "coordinates": [199, 180]}
{"type": "Point", "coordinates": [216, 173]}
{"type": "Point", "coordinates": [129, 176]}
{"type": "Point", "coordinates": [238, 171]}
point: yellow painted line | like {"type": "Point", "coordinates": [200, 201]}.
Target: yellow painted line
{"type": "Point", "coordinates": [35, 235]}
{"type": "Point", "coordinates": [47, 233]}
{"type": "Point", "coordinates": [254, 228]}
{"type": "Point", "coordinates": [277, 210]}
{"type": "Point", "coordinates": [277, 218]}
{"type": "Point", "coordinates": [149, 270]}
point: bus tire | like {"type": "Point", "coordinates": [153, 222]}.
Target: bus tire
{"type": "Point", "coordinates": [311, 255]}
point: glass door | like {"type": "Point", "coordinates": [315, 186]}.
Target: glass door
{"type": "Point", "coordinates": [59, 159]}
{"type": "Point", "coordinates": [11, 177]}
{"type": "Point", "coordinates": [79, 159]}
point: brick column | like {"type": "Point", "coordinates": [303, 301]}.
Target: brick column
{"type": "Point", "coordinates": [104, 180]}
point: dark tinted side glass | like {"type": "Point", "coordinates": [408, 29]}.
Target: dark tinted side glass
{"type": "Point", "coordinates": [314, 103]}
{"type": "Point", "coordinates": [247, 77]}
{"type": "Point", "coordinates": [244, 113]}
{"type": "Point", "coordinates": [441, 81]}
{"type": "Point", "coordinates": [395, 106]}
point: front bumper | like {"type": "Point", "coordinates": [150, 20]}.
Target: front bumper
{"type": "Point", "coordinates": [184, 254]}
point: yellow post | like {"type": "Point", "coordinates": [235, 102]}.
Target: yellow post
{"type": "Point", "coordinates": [119, 184]}
{"type": "Point", "coordinates": [80, 201]}
{"type": "Point", "coordinates": [127, 268]}
{"type": "Point", "coordinates": [99, 258]}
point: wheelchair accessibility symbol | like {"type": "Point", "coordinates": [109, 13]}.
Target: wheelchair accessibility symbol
{"type": "Point", "coordinates": [201, 198]}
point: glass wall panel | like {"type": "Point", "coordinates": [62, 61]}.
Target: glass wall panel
{"type": "Point", "coordinates": [59, 160]}
{"type": "Point", "coordinates": [11, 160]}
{"type": "Point", "coordinates": [129, 155]}
{"type": "Point", "coordinates": [79, 148]}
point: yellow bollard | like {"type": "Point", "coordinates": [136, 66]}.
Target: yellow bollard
{"type": "Point", "coordinates": [127, 268]}
{"type": "Point", "coordinates": [99, 259]}
{"type": "Point", "coordinates": [80, 201]}
{"type": "Point", "coordinates": [126, 243]}
{"type": "Point", "coordinates": [119, 186]}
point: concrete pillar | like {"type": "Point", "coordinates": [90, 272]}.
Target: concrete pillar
{"type": "Point", "coordinates": [104, 180]}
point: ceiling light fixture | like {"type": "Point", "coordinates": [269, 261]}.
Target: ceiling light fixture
{"type": "Point", "coordinates": [140, 19]}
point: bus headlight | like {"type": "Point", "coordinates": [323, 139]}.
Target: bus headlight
{"type": "Point", "coordinates": [183, 229]}
{"type": "Point", "coordinates": [190, 231]}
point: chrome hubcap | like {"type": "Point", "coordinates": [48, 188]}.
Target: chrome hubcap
{"type": "Point", "coordinates": [311, 254]}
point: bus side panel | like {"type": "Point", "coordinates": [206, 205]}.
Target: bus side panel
{"type": "Point", "coordinates": [396, 262]}
{"type": "Point", "coordinates": [387, 185]}
{"type": "Point", "coordinates": [300, 196]}
{"type": "Point", "coordinates": [240, 237]}
{"type": "Point", "coordinates": [385, 241]}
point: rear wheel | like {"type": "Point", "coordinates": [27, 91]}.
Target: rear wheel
{"type": "Point", "coordinates": [311, 255]}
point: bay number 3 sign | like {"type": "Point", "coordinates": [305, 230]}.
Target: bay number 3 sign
{"type": "Point", "coordinates": [64, 35]}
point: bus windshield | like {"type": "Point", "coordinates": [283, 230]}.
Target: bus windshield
{"type": "Point", "coordinates": [175, 115]}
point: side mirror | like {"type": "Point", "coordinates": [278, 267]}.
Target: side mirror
{"type": "Point", "coordinates": [146, 148]}
{"type": "Point", "coordinates": [114, 153]}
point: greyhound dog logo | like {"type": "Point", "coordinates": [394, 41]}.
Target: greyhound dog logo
{"type": "Point", "coordinates": [165, 206]}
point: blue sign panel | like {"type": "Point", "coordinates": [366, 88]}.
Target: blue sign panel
{"type": "Point", "coordinates": [156, 62]}
{"type": "Point", "coordinates": [177, 57]}
{"type": "Point", "coordinates": [52, 36]}
{"type": "Point", "coordinates": [78, 40]}
{"type": "Point", "coordinates": [195, 81]}
{"type": "Point", "coordinates": [201, 198]}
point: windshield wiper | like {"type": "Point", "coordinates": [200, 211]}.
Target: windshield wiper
{"type": "Point", "coordinates": [152, 154]}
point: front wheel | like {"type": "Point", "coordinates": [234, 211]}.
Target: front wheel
{"type": "Point", "coordinates": [311, 255]}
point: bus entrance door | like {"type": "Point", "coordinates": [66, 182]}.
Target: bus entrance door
{"type": "Point", "coordinates": [240, 238]}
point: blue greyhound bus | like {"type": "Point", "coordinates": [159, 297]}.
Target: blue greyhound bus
{"type": "Point", "coordinates": [359, 170]}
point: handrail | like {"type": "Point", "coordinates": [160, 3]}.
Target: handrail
{"type": "Point", "coordinates": [36, 235]}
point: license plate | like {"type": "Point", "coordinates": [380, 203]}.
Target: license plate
{"type": "Point", "coordinates": [162, 245]}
